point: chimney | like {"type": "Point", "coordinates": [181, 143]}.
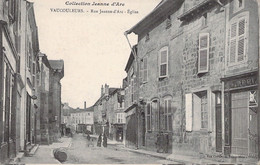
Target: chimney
{"type": "Point", "coordinates": [102, 90]}
{"type": "Point", "coordinates": [106, 89]}
{"type": "Point", "coordinates": [85, 106]}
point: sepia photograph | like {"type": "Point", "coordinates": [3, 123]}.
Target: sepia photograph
{"type": "Point", "coordinates": [129, 82]}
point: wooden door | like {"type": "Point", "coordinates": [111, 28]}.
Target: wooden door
{"type": "Point", "coordinates": [239, 109]}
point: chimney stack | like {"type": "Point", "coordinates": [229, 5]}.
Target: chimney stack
{"type": "Point", "coordinates": [106, 89]}
{"type": "Point", "coordinates": [85, 106]}
{"type": "Point", "coordinates": [102, 90]}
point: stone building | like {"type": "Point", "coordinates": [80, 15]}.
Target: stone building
{"type": "Point", "coordinates": [9, 57]}
{"type": "Point", "coordinates": [133, 127]}
{"type": "Point", "coordinates": [56, 74]}
{"type": "Point", "coordinates": [66, 110]}
{"type": "Point", "coordinates": [43, 82]}
{"type": "Point", "coordinates": [82, 120]}
{"type": "Point", "coordinates": [197, 67]}
{"type": "Point", "coordinates": [20, 82]}
{"type": "Point", "coordinates": [104, 114]}
{"type": "Point", "coordinates": [116, 115]}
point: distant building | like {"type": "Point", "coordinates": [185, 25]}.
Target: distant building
{"type": "Point", "coordinates": [81, 120]}
{"type": "Point", "coordinates": [106, 109]}
{"type": "Point", "coordinates": [65, 114]}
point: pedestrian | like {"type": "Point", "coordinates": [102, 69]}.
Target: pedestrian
{"type": "Point", "coordinates": [88, 140]}
{"type": "Point", "coordinates": [104, 140]}
{"type": "Point", "coordinates": [99, 141]}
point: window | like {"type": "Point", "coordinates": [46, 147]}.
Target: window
{"type": "Point", "coordinates": [147, 37]}
{"type": "Point", "coordinates": [204, 111]}
{"type": "Point", "coordinates": [238, 5]}
{"type": "Point", "coordinates": [163, 62]}
{"type": "Point", "coordinates": [144, 70]}
{"type": "Point", "coordinates": [237, 43]}
{"type": "Point", "coordinates": [168, 22]}
{"type": "Point", "coordinates": [120, 118]}
{"type": "Point", "coordinates": [203, 64]}
{"type": "Point", "coordinates": [148, 117]}
{"type": "Point", "coordinates": [167, 114]}
{"type": "Point", "coordinates": [197, 112]}
{"type": "Point", "coordinates": [155, 115]}
{"type": "Point", "coordinates": [205, 20]}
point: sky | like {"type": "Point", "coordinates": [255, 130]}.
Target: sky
{"type": "Point", "coordinates": [93, 46]}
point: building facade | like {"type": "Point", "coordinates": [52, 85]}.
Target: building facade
{"type": "Point", "coordinates": [82, 120]}
{"type": "Point", "coordinates": [197, 61]}
{"type": "Point", "coordinates": [57, 73]}
{"type": "Point", "coordinates": [20, 124]}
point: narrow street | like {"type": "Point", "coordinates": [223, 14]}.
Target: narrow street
{"type": "Point", "coordinates": [79, 152]}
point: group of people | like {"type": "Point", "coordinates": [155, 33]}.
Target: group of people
{"type": "Point", "coordinates": [102, 140]}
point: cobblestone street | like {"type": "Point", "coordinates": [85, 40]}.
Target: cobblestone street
{"type": "Point", "coordinates": [79, 152]}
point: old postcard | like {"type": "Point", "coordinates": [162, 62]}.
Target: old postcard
{"type": "Point", "coordinates": [129, 82]}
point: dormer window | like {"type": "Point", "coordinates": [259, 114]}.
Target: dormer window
{"type": "Point", "coordinates": [147, 37]}
{"type": "Point", "coordinates": [205, 20]}
{"type": "Point", "coordinates": [238, 5]}
{"type": "Point", "coordinates": [168, 22]}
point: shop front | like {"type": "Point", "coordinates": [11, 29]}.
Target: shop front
{"type": "Point", "coordinates": [240, 115]}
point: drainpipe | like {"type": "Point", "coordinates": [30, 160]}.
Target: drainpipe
{"type": "Point", "coordinates": [258, 114]}
{"type": "Point", "coordinates": [137, 112]}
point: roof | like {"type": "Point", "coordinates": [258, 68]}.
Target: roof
{"type": "Point", "coordinates": [45, 59]}
{"type": "Point", "coordinates": [156, 16]}
{"type": "Point", "coordinates": [89, 109]}
{"type": "Point", "coordinates": [111, 92]}
{"type": "Point", "coordinates": [57, 64]}
{"type": "Point", "coordinates": [197, 9]}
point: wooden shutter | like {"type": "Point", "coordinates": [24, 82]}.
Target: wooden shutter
{"type": "Point", "coordinates": [141, 70]}
{"type": "Point", "coordinates": [188, 111]}
{"type": "Point", "coordinates": [241, 40]}
{"type": "Point", "coordinates": [148, 117]}
{"type": "Point", "coordinates": [145, 71]}
{"type": "Point", "coordinates": [203, 53]}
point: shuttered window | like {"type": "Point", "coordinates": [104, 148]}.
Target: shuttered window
{"type": "Point", "coordinates": [143, 70]}
{"type": "Point", "coordinates": [204, 111]}
{"type": "Point", "coordinates": [237, 44]}
{"type": "Point", "coordinates": [167, 113]}
{"type": "Point", "coordinates": [188, 111]}
{"type": "Point", "coordinates": [132, 90]}
{"type": "Point", "coordinates": [203, 60]}
{"type": "Point", "coordinates": [163, 62]}
{"type": "Point", "coordinates": [148, 117]}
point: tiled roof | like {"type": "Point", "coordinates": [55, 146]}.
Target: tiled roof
{"type": "Point", "coordinates": [89, 109]}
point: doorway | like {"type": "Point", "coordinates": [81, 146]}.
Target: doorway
{"type": "Point", "coordinates": [244, 123]}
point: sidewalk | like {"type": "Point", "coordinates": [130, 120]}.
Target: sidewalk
{"type": "Point", "coordinates": [191, 159]}
{"type": "Point", "coordinates": [44, 154]}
